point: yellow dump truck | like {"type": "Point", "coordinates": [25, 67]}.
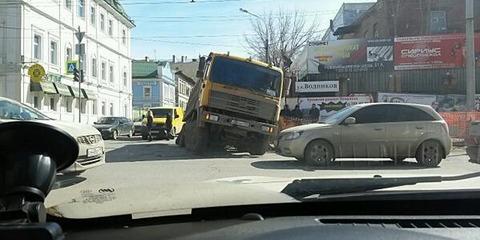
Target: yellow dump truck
{"type": "Point", "coordinates": [235, 102]}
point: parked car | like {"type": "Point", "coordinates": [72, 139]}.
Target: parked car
{"type": "Point", "coordinates": [376, 130]}
{"type": "Point", "coordinates": [91, 147]}
{"type": "Point", "coordinates": [159, 118]}
{"type": "Point", "coordinates": [112, 127]}
{"type": "Point", "coordinates": [137, 127]}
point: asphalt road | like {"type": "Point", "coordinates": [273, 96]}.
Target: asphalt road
{"type": "Point", "coordinates": [163, 166]}
{"type": "Point", "coordinates": [168, 160]}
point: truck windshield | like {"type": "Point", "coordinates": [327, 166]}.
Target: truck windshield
{"type": "Point", "coordinates": [246, 75]}
{"type": "Point", "coordinates": [159, 113]}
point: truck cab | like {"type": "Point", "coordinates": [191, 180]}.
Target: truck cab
{"type": "Point", "coordinates": [235, 102]}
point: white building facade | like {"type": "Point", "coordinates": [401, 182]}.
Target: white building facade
{"type": "Point", "coordinates": [43, 32]}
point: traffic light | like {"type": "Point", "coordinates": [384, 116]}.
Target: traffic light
{"type": "Point", "coordinates": [76, 75]}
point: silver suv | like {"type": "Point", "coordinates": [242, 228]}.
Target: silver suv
{"type": "Point", "coordinates": [376, 130]}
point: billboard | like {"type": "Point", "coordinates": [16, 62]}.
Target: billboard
{"type": "Point", "coordinates": [327, 105]}
{"type": "Point", "coordinates": [317, 86]}
{"type": "Point", "coordinates": [429, 52]}
{"type": "Point", "coordinates": [350, 55]}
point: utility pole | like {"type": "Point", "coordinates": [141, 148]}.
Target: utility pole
{"type": "Point", "coordinates": [267, 38]}
{"type": "Point", "coordinates": [80, 48]}
{"type": "Point", "coordinates": [470, 55]}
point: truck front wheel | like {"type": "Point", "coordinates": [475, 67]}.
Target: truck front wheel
{"type": "Point", "coordinates": [259, 146]}
{"type": "Point", "coordinates": [196, 139]}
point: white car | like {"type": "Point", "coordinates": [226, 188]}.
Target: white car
{"type": "Point", "coordinates": [91, 147]}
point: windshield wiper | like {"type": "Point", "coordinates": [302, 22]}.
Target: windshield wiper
{"type": "Point", "coordinates": [302, 188]}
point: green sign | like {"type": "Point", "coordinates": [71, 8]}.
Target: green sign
{"type": "Point", "coordinates": [71, 66]}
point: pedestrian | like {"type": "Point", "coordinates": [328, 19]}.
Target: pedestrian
{"type": "Point", "coordinates": [297, 113]}
{"type": "Point", "coordinates": [286, 112]}
{"type": "Point", "coordinates": [314, 113]}
{"type": "Point", "coordinates": [149, 125]}
{"type": "Point", "coordinates": [168, 126]}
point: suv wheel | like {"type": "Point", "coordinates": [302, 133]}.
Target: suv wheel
{"type": "Point", "coordinates": [429, 154]}
{"type": "Point", "coordinates": [319, 153]}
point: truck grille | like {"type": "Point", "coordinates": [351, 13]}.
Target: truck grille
{"type": "Point", "coordinates": [247, 106]}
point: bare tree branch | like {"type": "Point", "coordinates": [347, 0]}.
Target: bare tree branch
{"type": "Point", "coordinates": [283, 33]}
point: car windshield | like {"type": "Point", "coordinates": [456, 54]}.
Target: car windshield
{"type": "Point", "coordinates": [246, 75]}
{"type": "Point", "coordinates": [107, 120]}
{"type": "Point", "coordinates": [161, 113]}
{"type": "Point", "coordinates": [260, 93]}
{"type": "Point", "coordinates": [15, 111]}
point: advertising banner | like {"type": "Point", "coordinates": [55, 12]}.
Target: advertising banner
{"type": "Point", "coordinates": [350, 55]}
{"type": "Point", "coordinates": [407, 98]}
{"type": "Point", "coordinates": [327, 105]}
{"type": "Point", "coordinates": [429, 52]}
{"type": "Point", "coordinates": [318, 86]}
{"type": "Point", "coordinates": [441, 103]}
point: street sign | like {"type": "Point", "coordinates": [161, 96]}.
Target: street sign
{"type": "Point", "coordinates": [80, 49]}
{"type": "Point", "coordinates": [80, 36]}
{"type": "Point", "coordinates": [71, 66]}
{"type": "Point", "coordinates": [36, 72]}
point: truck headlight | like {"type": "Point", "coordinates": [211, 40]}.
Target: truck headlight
{"type": "Point", "coordinates": [292, 135]}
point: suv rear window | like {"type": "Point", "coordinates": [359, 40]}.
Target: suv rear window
{"type": "Point", "coordinates": [408, 114]}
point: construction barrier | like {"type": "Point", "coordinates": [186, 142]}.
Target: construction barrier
{"type": "Point", "coordinates": [458, 122]}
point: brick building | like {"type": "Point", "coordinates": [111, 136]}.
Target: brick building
{"type": "Point", "coordinates": [404, 18]}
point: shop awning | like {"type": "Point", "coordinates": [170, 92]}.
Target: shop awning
{"type": "Point", "coordinates": [43, 86]}
{"type": "Point", "coordinates": [63, 90]}
{"type": "Point", "coordinates": [89, 94]}
{"type": "Point", "coordinates": [73, 91]}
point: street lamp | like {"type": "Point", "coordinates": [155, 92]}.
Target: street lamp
{"type": "Point", "coordinates": [267, 57]}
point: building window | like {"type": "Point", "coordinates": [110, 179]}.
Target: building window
{"type": "Point", "coordinates": [125, 79]}
{"type": "Point", "coordinates": [53, 52]}
{"type": "Point", "coordinates": [68, 103]}
{"type": "Point", "coordinates": [93, 15]}
{"type": "Point", "coordinates": [147, 92]}
{"type": "Point", "coordinates": [103, 108]}
{"type": "Point", "coordinates": [94, 107]}
{"type": "Point", "coordinates": [68, 4]}
{"type": "Point", "coordinates": [102, 22]}
{"type": "Point", "coordinates": [37, 46]}
{"type": "Point", "coordinates": [53, 106]}
{"type": "Point", "coordinates": [125, 109]}
{"type": "Point", "coordinates": [68, 53]}
{"type": "Point", "coordinates": [111, 73]}
{"type": "Point", "coordinates": [124, 36]}
{"type": "Point", "coordinates": [94, 67]}
{"type": "Point", "coordinates": [110, 27]}
{"type": "Point", "coordinates": [111, 109]}
{"type": "Point", "coordinates": [36, 102]}
{"type": "Point", "coordinates": [375, 31]}
{"type": "Point", "coordinates": [83, 106]}
{"type": "Point", "coordinates": [438, 22]}
{"type": "Point", "coordinates": [104, 70]}
{"type": "Point", "coordinates": [81, 8]}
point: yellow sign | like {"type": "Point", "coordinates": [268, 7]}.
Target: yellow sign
{"type": "Point", "coordinates": [36, 72]}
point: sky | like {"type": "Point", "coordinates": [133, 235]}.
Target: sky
{"type": "Point", "coordinates": [179, 27]}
